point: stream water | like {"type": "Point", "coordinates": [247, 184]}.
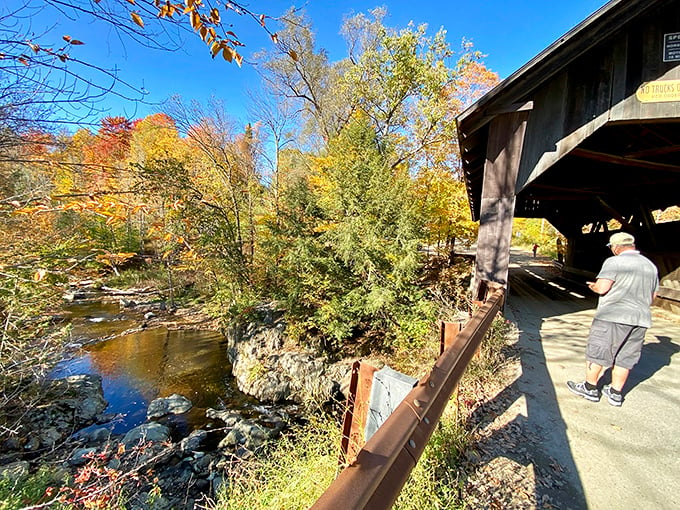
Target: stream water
{"type": "Point", "coordinates": [139, 367]}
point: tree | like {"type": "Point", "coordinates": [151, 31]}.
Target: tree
{"type": "Point", "coordinates": [350, 258]}
{"type": "Point", "coordinates": [43, 83]}
{"type": "Point", "coordinates": [296, 71]}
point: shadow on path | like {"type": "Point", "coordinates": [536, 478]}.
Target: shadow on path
{"type": "Point", "coordinates": [536, 437]}
{"type": "Point", "coordinates": [582, 454]}
{"type": "Point", "coordinates": [654, 357]}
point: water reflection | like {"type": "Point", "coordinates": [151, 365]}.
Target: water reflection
{"type": "Point", "coordinates": [140, 367]}
{"type": "Point", "coordinates": [92, 320]}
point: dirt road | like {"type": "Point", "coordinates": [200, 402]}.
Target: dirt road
{"type": "Point", "coordinates": [580, 454]}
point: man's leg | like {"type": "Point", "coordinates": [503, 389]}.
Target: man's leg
{"type": "Point", "coordinates": [619, 377]}
{"type": "Point", "coordinates": [593, 371]}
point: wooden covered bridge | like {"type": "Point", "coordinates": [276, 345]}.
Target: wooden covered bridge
{"type": "Point", "coordinates": [585, 133]}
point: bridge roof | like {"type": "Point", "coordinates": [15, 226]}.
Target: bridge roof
{"type": "Point", "coordinates": [593, 150]}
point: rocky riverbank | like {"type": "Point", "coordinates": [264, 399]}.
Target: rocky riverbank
{"type": "Point", "coordinates": [156, 464]}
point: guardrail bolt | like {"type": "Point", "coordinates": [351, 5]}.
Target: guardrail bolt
{"type": "Point", "coordinates": [426, 420]}
{"type": "Point", "coordinates": [411, 443]}
{"type": "Point", "coordinates": [417, 403]}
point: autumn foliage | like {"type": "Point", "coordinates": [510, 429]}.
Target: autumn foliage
{"type": "Point", "coordinates": [331, 221]}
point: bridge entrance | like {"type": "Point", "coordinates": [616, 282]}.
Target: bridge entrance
{"type": "Point", "coordinates": [587, 136]}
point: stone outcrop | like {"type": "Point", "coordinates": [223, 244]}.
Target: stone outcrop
{"type": "Point", "coordinates": [268, 368]}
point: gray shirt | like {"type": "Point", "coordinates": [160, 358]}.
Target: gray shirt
{"type": "Point", "coordinates": [635, 280]}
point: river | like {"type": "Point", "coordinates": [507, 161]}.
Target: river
{"type": "Point", "coordinates": [139, 367]}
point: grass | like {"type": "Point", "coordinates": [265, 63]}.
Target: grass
{"type": "Point", "coordinates": [298, 468]}
{"type": "Point", "coordinates": [291, 475]}
{"type": "Point", "coordinates": [15, 494]}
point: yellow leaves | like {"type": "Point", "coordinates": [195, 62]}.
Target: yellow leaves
{"type": "Point", "coordinates": [32, 211]}
{"type": "Point", "coordinates": [325, 227]}
{"type": "Point", "coordinates": [190, 255]}
{"type": "Point", "coordinates": [114, 259]}
{"type": "Point", "coordinates": [143, 208]}
{"type": "Point", "coordinates": [208, 34]}
{"type": "Point", "coordinates": [137, 19]}
{"type": "Point", "coordinates": [168, 10]}
{"type": "Point", "coordinates": [230, 54]}
{"type": "Point", "coordinates": [39, 275]}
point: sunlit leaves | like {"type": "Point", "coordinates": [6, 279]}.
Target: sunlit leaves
{"type": "Point", "coordinates": [137, 19]}
{"type": "Point", "coordinates": [39, 275]}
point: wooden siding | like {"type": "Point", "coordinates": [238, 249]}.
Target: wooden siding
{"type": "Point", "coordinates": [597, 88]}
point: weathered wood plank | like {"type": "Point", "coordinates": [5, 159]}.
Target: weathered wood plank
{"type": "Point", "coordinates": [504, 150]}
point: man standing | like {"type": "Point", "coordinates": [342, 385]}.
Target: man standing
{"type": "Point", "coordinates": [627, 285]}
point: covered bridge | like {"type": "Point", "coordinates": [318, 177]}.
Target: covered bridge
{"type": "Point", "coordinates": [586, 133]}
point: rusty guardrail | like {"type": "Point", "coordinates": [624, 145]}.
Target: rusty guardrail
{"type": "Point", "coordinates": [375, 478]}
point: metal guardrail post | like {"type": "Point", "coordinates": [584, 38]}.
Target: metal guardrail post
{"type": "Point", "coordinates": [375, 478]}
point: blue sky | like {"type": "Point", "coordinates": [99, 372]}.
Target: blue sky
{"type": "Point", "coordinates": [509, 32]}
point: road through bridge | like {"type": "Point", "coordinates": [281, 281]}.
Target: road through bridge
{"type": "Point", "coordinates": [585, 454]}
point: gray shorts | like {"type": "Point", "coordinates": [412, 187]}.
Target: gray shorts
{"type": "Point", "coordinates": [611, 343]}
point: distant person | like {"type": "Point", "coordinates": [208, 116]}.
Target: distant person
{"type": "Point", "coordinates": [627, 285]}
{"type": "Point", "coordinates": [560, 251]}
{"type": "Point", "coordinates": [534, 249]}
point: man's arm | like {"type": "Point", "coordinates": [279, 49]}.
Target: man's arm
{"type": "Point", "coordinates": [600, 286]}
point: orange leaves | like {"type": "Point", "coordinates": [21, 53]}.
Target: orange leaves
{"type": "Point", "coordinates": [168, 10]}
{"type": "Point", "coordinates": [72, 41]}
{"type": "Point", "coordinates": [205, 25]}
{"type": "Point", "coordinates": [137, 19]}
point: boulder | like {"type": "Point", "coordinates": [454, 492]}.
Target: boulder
{"type": "Point", "coordinates": [14, 471]}
{"type": "Point", "coordinates": [147, 432]}
{"type": "Point", "coordinates": [174, 404]}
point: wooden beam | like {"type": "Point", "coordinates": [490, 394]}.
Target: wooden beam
{"type": "Point", "coordinates": [503, 154]}
{"type": "Point", "coordinates": [617, 216]}
{"type": "Point", "coordinates": [622, 161]}
{"type": "Point", "coordinates": [510, 108]}
{"type": "Point", "coordinates": [654, 151]}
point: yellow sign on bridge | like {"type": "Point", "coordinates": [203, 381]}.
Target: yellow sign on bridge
{"type": "Point", "coordinates": [660, 91]}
